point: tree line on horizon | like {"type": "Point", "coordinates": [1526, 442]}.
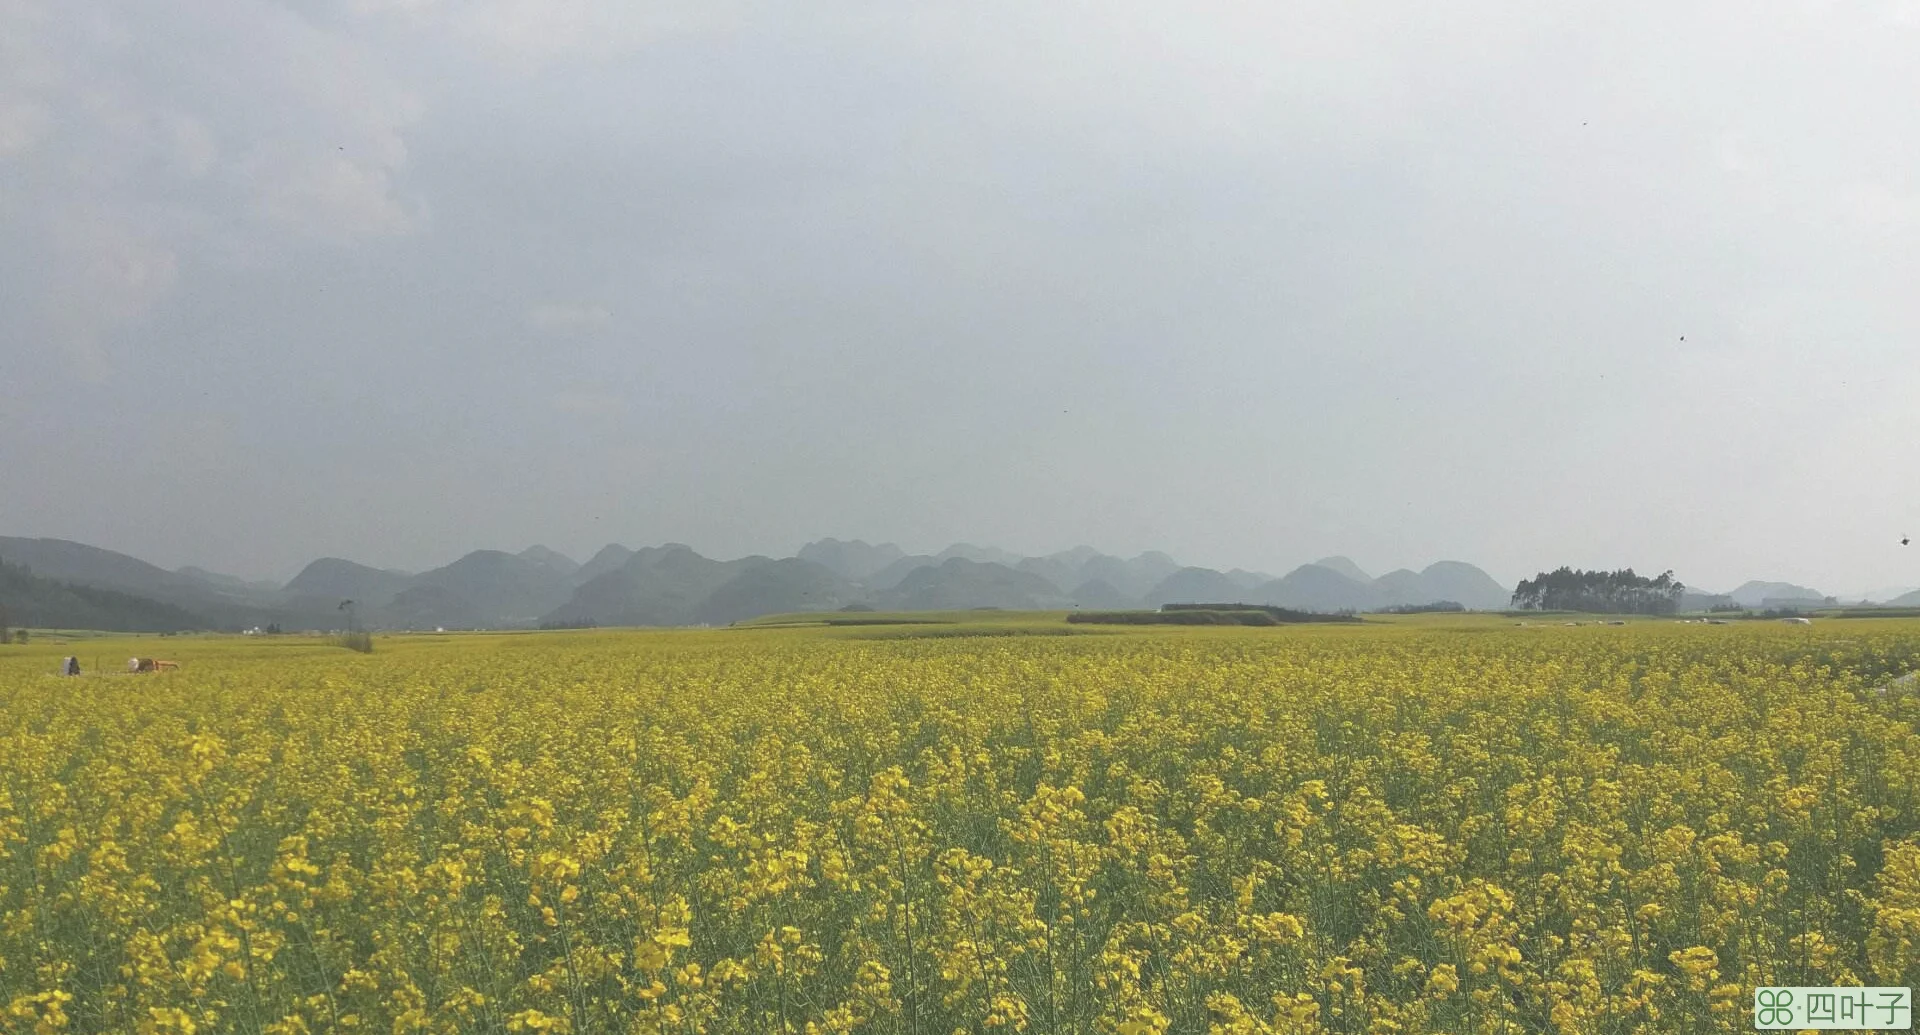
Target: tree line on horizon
{"type": "Point", "coordinates": [1600, 592]}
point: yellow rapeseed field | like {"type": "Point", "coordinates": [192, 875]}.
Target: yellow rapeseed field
{"type": "Point", "coordinates": [1418, 828]}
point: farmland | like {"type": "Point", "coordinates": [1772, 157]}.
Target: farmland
{"type": "Point", "coordinates": [1422, 825]}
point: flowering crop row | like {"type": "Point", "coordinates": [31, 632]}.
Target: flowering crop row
{"type": "Point", "coordinates": [1341, 830]}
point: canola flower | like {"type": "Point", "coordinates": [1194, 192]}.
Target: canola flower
{"type": "Point", "coordinates": [1472, 829]}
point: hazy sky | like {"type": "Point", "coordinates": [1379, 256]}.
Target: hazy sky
{"type": "Point", "coordinates": [1249, 283]}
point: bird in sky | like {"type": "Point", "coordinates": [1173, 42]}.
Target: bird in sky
{"type": "Point", "coordinates": [1904, 540]}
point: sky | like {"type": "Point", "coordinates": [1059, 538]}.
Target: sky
{"type": "Point", "coordinates": [1601, 284]}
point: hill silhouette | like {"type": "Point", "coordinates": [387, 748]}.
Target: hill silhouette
{"type": "Point", "coordinates": [1193, 585]}
{"type": "Point", "coordinates": [1100, 595]}
{"type": "Point", "coordinates": [658, 585]}
{"type": "Point", "coordinates": [491, 587]}
{"type": "Point", "coordinates": [552, 560]}
{"type": "Point", "coordinates": [82, 565]}
{"type": "Point", "coordinates": [1135, 576]}
{"type": "Point", "coordinates": [228, 583]}
{"type": "Point", "coordinates": [1345, 567]}
{"type": "Point", "coordinates": [332, 579]}
{"type": "Point", "coordinates": [28, 600]}
{"type": "Point", "coordinates": [609, 558]}
{"type": "Point", "coordinates": [1461, 583]}
{"type": "Point", "coordinates": [855, 560]}
{"type": "Point", "coordinates": [1314, 587]}
{"type": "Point", "coordinates": [958, 584]}
{"type": "Point", "coordinates": [1757, 594]}
{"type": "Point", "coordinates": [769, 586]}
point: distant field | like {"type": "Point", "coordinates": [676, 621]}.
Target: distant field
{"type": "Point", "coordinates": [962, 822]}
{"type": "Point", "coordinates": [989, 616]}
{"type": "Point", "coordinates": [69, 635]}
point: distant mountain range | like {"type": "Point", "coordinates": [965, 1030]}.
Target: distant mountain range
{"type": "Point", "coordinates": [675, 585]}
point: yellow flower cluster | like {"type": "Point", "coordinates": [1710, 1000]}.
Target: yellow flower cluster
{"type": "Point", "coordinates": [1603, 830]}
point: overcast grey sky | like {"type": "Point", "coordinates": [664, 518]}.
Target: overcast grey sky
{"type": "Point", "coordinates": [1248, 283]}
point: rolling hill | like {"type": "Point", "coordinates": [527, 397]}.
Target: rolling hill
{"type": "Point", "coordinates": [29, 600]}
{"type": "Point", "coordinates": [1757, 594]}
{"type": "Point", "coordinates": [854, 560]}
{"type": "Point", "coordinates": [892, 575]}
{"type": "Point", "coordinates": [1195, 586]}
{"type": "Point", "coordinates": [1315, 587]}
{"type": "Point", "coordinates": [1135, 577]}
{"type": "Point", "coordinates": [658, 585]}
{"type": "Point", "coordinates": [1345, 567]}
{"type": "Point", "coordinates": [958, 584]}
{"type": "Point", "coordinates": [609, 558]}
{"type": "Point", "coordinates": [1101, 595]}
{"type": "Point", "coordinates": [769, 586]}
{"type": "Point", "coordinates": [82, 565]}
{"type": "Point", "coordinates": [330, 580]}
{"type": "Point", "coordinates": [978, 555]}
{"type": "Point", "coordinates": [552, 560]}
{"type": "Point", "coordinates": [497, 588]}
{"type": "Point", "coordinates": [1461, 583]}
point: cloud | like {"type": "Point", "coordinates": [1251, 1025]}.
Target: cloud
{"type": "Point", "coordinates": [588, 404]}
{"type": "Point", "coordinates": [527, 35]}
{"type": "Point", "coordinates": [117, 269]}
{"type": "Point", "coordinates": [143, 133]}
{"type": "Point", "coordinates": [25, 70]}
{"type": "Point", "coordinates": [559, 317]}
{"type": "Point", "coordinates": [22, 124]}
{"type": "Point", "coordinates": [1877, 208]}
{"type": "Point", "coordinates": [332, 199]}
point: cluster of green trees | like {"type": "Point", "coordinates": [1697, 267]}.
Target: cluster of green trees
{"type": "Point", "coordinates": [1437, 606]}
{"type": "Point", "coordinates": [577, 623]}
{"type": "Point", "coordinates": [1600, 592]}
